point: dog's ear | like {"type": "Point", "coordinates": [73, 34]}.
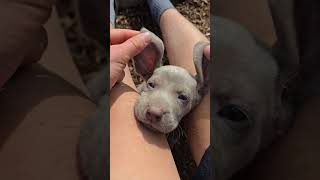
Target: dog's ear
{"type": "Point", "coordinates": [286, 53]}
{"type": "Point", "coordinates": [150, 58]}
{"type": "Point", "coordinates": [202, 67]}
{"type": "Point", "coordinates": [285, 49]}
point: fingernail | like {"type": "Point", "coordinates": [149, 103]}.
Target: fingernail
{"type": "Point", "coordinates": [147, 37]}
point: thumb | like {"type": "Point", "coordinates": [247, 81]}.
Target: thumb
{"type": "Point", "coordinates": [134, 45]}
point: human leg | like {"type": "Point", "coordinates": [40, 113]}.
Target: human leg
{"type": "Point", "coordinates": [135, 152]}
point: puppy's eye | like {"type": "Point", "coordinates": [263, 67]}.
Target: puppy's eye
{"type": "Point", "coordinates": [151, 85]}
{"type": "Point", "coordinates": [233, 113]}
{"type": "Point", "coordinates": [182, 97]}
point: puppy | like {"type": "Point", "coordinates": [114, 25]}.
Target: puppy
{"type": "Point", "coordinates": [248, 107]}
{"type": "Point", "coordinates": [170, 92]}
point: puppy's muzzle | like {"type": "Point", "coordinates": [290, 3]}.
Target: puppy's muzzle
{"type": "Point", "coordinates": [154, 114]}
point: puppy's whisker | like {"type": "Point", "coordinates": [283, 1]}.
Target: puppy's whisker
{"type": "Point", "coordinates": [180, 132]}
{"type": "Point", "coordinates": [184, 133]}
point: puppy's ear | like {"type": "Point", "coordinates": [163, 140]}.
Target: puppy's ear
{"type": "Point", "coordinates": [202, 67]}
{"type": "Point", "coordinates": [285, 49]}
{"type": "Point", "coordinates": [286, 52]}
{"type": "Point", "coordinates": [150, 58]}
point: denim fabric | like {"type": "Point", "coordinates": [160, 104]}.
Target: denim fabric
{"type": "Point", "coordinates": [205, 170]}
{"type": "Point", "coordinates": [157, 7]}
{"type": "Point", "coordinates": [112, 13]}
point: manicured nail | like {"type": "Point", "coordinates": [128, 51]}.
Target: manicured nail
{"type": "Point", "coordinates": [147, 37]}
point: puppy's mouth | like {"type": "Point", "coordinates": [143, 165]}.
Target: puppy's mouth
{"type": "Point", "coordinates": [144, 123]}
{"type": "Point", "coordinates": [150, 127]}
{"type": "Point", "coordinates": [158, 127]}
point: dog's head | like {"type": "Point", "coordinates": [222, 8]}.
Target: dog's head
{"type": "Point", "coordinates": [170, 92]}
{"type": "Point", "coordinates": [244, 85]}
{"type": "Point", "coordinates": [247, 92]}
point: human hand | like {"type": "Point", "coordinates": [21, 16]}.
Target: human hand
{"type": "Point", "coordinates": [22, 36]}
{"type": "Point", "coordinates": [124, 45]}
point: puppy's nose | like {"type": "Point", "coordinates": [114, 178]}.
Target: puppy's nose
{"type": "Point", "coordinates": [154, 114]}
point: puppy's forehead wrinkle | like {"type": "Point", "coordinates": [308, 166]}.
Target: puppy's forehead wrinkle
{"type": "Point", "coordinates": [159, 97]}
{"type": "Point", "coordinates": [175, 76]}
{"type": "Point", "coordinates": [231, 92]}
{"type": "Point", "coordinates": [238, 46]}
{"type": "Point", "coordinates": [230, 86]}
{"type": "Point", "coordinates": [258, 73]}
{"type": "Point", "coordinates": [263, 66]}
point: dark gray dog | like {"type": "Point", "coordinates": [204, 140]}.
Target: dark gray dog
{"type": "Point", "coordinates": [245, 78]}
{"type": "Point", "coordinates": [249, 81]}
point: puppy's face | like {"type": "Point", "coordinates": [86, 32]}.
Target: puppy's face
{"type": "Point", "coordinates": [169, 94]}
{"type": "Point", "coordinates": [245, 99]}
{"type": "Point", "coordinates": [244, 107]}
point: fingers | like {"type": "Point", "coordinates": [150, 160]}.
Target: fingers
{"type": "Point", "coordinates": [131, 47]}
{"type": "Point", "coordinates": [118, 36]}
{"type": "Point", "coordinates": [206, 52]}
{"type": "Point", "coordinates": [121, 54]}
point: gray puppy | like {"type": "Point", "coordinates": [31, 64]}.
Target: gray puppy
{"type": "Point", "coordinates": [170, 92]}
{"type": "Point", "coordinates": [248, 107]}
{"type": "Point", "coordinates": [244, 89]}
{"type": "Point", "coordinates": [249, 84]}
